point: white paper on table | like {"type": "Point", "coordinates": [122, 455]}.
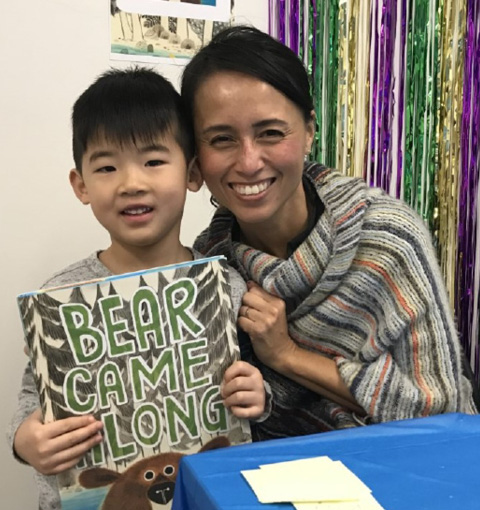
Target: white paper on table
{"type": "Point", "coordinates": [366, 503]}
{"type": "Point", "coordinates": [305, 480]}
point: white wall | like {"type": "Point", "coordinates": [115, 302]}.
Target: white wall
{"type": "Point", "coordinates": [50, 52]}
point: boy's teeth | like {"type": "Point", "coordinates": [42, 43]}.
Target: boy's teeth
{"type": "Point", "coordinates": [139, 210]}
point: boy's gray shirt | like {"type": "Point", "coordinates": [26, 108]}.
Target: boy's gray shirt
{"type": "Point", "coordinates": [83, 270]}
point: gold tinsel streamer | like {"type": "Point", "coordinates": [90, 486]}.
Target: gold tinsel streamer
{"type": "Point", "coordinates": [352, 107]}
{"type": "Point", "coordinates": [360, 26]}
{"type": "Point", "coordinates": [343, 135]}
{"type": "Point", "coordinates": [450, 94]}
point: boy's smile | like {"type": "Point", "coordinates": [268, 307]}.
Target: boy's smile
{"type": "Point", "coordinates": [137, 192]}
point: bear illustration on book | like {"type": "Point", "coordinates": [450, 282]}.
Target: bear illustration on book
{"type": "Point", "coordinates": [146, 481]}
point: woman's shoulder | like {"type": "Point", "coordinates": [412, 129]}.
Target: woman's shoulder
{"type": "Point", "coordinates": [393, 213]}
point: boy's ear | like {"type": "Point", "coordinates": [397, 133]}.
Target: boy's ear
{"type": "Point", "coordinates": [78, 186]}
{"type": "Point", "coordinates": [194, 177]}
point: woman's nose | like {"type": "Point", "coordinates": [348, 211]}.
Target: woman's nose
{"type": "Point", "coordinates": [249, 157]}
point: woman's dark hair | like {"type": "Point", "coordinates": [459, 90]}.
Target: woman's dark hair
{"type": "Point", "coordinates": [130, 106]}
{"type": "Point", "coordinates": [247, 50]}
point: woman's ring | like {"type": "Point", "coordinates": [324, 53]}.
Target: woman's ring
{"type": "Point", "coordinates": [247, 309]}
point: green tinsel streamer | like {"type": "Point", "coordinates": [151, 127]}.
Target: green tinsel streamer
{"type": "Point", "coordinates": [325, 77]}
{"type": "Point", "coordinates": [420, 106]}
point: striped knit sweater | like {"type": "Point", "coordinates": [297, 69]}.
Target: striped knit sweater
{"type": "Point", "coordinates": [364, 289]}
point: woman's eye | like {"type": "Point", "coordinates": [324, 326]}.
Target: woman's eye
{"type": "Point", "coordinates": [155, 162]}
{"type": "Point", "coordinates": [221, 140]}
{"type": "Point", "coordinates": [271, 133]}
{"type": "Point", "coordinates": [105, 169]}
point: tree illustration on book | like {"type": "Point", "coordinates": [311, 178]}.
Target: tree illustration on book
{"type": "Point", "coordinates": [144, 352]}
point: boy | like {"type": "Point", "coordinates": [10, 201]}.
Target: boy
{"type": "Point", "coordinates": [132, 147]}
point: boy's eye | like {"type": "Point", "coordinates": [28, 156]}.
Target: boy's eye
{"type": "Point", "coordinates": [105, 169]}
{"type": "Point", "coordinates": [155, 162]}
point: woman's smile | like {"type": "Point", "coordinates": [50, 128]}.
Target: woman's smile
{"type": "Point", "coordinates": [253, 190]}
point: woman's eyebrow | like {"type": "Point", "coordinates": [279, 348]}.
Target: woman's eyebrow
{"type": "Point", "coordinates": [269, 122]}
{"type": "Point", "coordinates": [258, 124]}
{"type": "Point", "coordinates": [215, 128]}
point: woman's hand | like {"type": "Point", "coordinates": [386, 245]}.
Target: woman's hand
{"type": "Point", "coordinates": [263, 317]}
{"type": "Point", "coordinates": [243, 391]}
{"type": "Point", "coordinates": [54, 447]}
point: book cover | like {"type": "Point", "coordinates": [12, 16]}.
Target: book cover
{"type": "Point", "coordinates": [144, 352]}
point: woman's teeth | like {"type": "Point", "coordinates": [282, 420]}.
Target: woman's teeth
{"type": "Point", "coordinates": [243, 189]}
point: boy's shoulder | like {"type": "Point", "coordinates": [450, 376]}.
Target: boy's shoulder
{"type": "Point", "coordinates": [80, 271]}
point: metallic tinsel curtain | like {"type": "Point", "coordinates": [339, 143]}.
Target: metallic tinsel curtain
{"type": "Point", "coordinates": [396, 85]}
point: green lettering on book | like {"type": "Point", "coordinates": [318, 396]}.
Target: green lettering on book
{"type": "Point", "coordinates": [146, 298]}
{"type": "Point", "coordinates": [178, 416]}
{"type": "Point", "coordinates": [214, 414]}
{"type": "Point", "coordinates": [109, 381]}
{"type": "Point", "coordinates": [86, 342]}
{"type": "Point", "coordinates": [113, 328]}
{"type": "Point", "coordinates": [142, 374]}
{"type": "Point", "coordinates": [149, 434]}
{"type": "Point", "coordinates": [77, 406]}
{"type": "Point", "coordinates": [179, 297]}
{"type": "Point", "coordinates": [117, 449]}
{"type": "Point", "coordinates": [189, 361]}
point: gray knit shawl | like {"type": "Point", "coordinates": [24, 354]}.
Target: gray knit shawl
{"type": "Point", "coordinates": [365, 290]}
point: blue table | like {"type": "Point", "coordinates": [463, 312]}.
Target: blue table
{"type": "Point", "coordinates": [423, 464]}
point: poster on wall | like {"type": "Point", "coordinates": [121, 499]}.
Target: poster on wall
{"type": "Point", "coordinates": [164, 31]}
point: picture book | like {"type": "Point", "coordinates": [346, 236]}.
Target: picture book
{"type": "Point", "coordinates": [144, 352]}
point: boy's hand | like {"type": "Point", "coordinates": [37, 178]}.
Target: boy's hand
{"type": "Point", "coordinates": [243, 390]}
{"type": "Point", "coordinates": [54, 447]}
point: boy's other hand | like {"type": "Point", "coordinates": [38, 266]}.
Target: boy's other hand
{"type": "Point", "coordinates": [54, 447]}
{"type": "Point", "coordinates": [243, 391]}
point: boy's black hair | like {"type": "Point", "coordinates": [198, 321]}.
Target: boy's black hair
{"type": "Point", "coordinates": [247, 50]}
{"type": "Point", "coordinates": [130, 105]}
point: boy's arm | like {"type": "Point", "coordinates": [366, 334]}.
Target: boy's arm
{"type": "Point", "coordinates": [27, 403]}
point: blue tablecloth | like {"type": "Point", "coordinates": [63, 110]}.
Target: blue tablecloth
{"type": "Point", "coordinates": [423, 464]}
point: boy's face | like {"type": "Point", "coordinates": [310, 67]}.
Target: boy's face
{"type": "Point", "coordinates": [137, 192]}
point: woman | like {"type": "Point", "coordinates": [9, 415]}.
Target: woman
{"type": "Point", "coordinates": [346, 310]}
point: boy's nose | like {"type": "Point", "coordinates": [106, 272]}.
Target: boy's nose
{"type": "Point", "coordinates": [132, 181]}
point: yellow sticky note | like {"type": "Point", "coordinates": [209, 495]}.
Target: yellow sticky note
{"type": "Point", "coordinates": [305, 480]}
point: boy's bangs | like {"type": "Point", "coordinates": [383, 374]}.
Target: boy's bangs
{"type": "Point", "coordinates": [128, 128]}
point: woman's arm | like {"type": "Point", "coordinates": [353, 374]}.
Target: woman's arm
{"type": "Point", "coordinates": [263, 317]}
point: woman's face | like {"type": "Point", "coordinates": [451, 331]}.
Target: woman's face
{"type": "Point", "coordinates": [251, 143]}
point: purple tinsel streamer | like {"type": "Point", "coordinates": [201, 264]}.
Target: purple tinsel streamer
{"type": "Point", "coordinates": [281, 21]}
{"type": "Point", "coordinates": [382, 120]}
{"type": "Point", "coordinates": [293, 25]}
{"type": "Point", "coordinates": [467, 220]}
{"type": "Point", "coordinates": [401, 98]}
{"type": "Point", "coordinates": [389, 27]}
{"type": "Point", "coordinates": [270, 17]}
{"type": "Point", "coordinates": [374, 78]}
